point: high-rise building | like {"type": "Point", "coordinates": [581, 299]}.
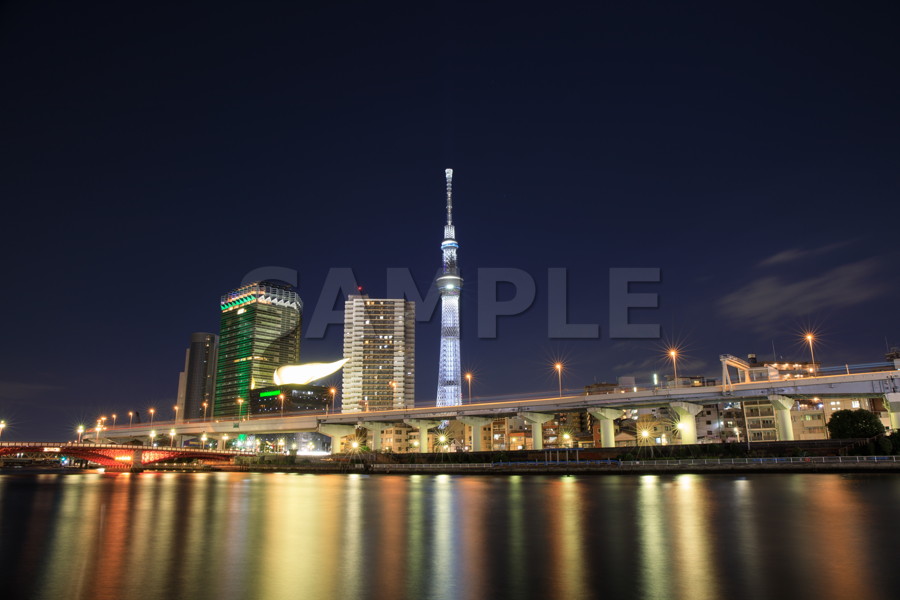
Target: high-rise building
{"type": "Point", "coordinates": [260, 331]}
{"type": "Point", "coordinates": [379, 345]}
{"type": "Point", "coordinates": [197, 383]}
{"type": "Point", "coordinates": [449, 391]}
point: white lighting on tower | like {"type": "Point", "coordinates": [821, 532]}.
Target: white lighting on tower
{"type": "Point", "coordinates": [449, 392]}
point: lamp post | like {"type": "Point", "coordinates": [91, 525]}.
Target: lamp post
{"type": "Point", "coordinates": [203, 441]}
{"type": "Point", "coordinates": [333, 393]}
{"type": "Point", "coordinates": [97, 429]}
{"type": "Point", "coordinates": [152, 437]}
{"type": "Point", "coordinates": [80, 432]}
{"type": "Point", "coordinates": [152, 412]}
{"type": "Point", "coordinates": [469, 380]}
{"type": "Point", "coordinates": [2, 427]}
{"type": "Point", "coordinates": [558, 367]}
{"type": "Point", "coordinates": [205, 404]}
{"type": "Point", "coordinates": [812, 367]}
{"type": "Point", "coordinates": [240, 403]}
{"type": "Point", "coordinates": [172, 437]}
{"type": "Point", "coordinates": [175, 413]}
{"type": "Point", "coordinates": [281, 397]}
{"type": "Point", "coordinates": [673, 354]}
{"type": "Point", "coordinates": [114, 419]}
{"type": "Point", "coordinates": [130, 418]}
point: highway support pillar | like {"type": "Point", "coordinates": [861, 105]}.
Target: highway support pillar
{"type": "Point", "coordinates": [374, 437]}
{"type": "Point", "coordinates": [137, 461]}
{"type": "Point", "coordinates": [892, 401]}
{"type": "Point", "coordinates": [336, 432]}
{"type": "Point", "coordinates": [423, 425]}
{"type": "Point", "coordinates": [782, 406]}
{"type": "Point", "coordinates": [606, 417]}
{"type": "Point", "coordinates": [687, 424]}
{"type": "Point", "coordinates": [537, 421]}
{"type": "Point", "coordinates": [477, 424]}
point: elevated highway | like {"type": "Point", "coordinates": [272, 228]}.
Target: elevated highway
{"type": "Point", "coordinates": [685, 402]}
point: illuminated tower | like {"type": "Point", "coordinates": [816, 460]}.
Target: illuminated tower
{"type": "Point", "coordinates": [449, 392]}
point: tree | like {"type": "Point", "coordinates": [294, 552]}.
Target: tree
{"type": "Point", "coordinates": [854, 424]}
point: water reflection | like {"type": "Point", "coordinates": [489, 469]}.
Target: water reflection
{"type": "Point", "coordinates": [238, 535]}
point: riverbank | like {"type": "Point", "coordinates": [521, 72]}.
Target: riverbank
{"type": "Point", "coordinates": [822, 464]}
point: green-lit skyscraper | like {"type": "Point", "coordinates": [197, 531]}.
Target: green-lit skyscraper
{"type": "Point", "coordinates": [259, 332]}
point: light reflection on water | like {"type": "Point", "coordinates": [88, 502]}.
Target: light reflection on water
{"type": "Point", "coordinates": [240, 535]}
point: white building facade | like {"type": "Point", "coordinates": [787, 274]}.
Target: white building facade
{"type": "Point", "coordinates": [379, 346]}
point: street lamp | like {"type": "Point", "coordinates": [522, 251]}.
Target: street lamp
{"type": "Point", "coordinates": [558, 367]}
{"type": "Point", "coordinates": [152, 412]}
{"type": "Point", "coordinates": [130, 418]}
{"type": "Point", "coordinates": [240, 402]}
{"type": "Point", "coordinates": [80, 432]}
{"type": "Point", "coordinates": [203, 441]}
{"type": "Point", "coordinates": [172, 437]}
{"type": "Point", "coordinates": [152, 437]}
{"type": "Point", "coordinates": [97, 429]}
{"type": "Point", "coordinates": [205, 404]}
{"type": "Point", "coordinates": [175, 413]}
{"type": "Point", "coordinates": [469, 380]}
{"type": "Point", "coordinates": [673, 354]}
{"type": "Point", "coordinates": [809, 339]}
{"type": "Point", "coordinates": [2, 427]}
{"type": "Point", "coordinates": [114, 419]}
{"type": "Point", "coordinates": [333, 393]}
{"type": "Point", "coordinates": [281, 397]}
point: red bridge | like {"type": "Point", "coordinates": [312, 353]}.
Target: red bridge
{"type": "Point", "coordinates": [116, 456]}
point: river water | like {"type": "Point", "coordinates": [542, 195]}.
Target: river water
{"type": "Point", "coordinates": [252, 535]}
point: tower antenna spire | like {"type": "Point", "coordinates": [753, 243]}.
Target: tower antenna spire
{"type": "Point", "coordinates": [449, 174]}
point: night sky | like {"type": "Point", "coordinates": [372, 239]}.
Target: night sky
{"type": "Point", "coordinates": [154, 154]}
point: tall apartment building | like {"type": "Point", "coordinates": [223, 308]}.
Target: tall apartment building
{"type": "Point", "coordinates": [379, 345]}
{"type": "Point", "coordinates": [260, 331]}
{"type": "Point", "coordinates": [197, 383]}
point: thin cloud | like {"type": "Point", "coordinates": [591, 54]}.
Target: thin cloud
{"type": "Point", "coordinates": [795, 254]}
{"type": "Point", "coordinates": [17, 392]}
{"type": "Point", "coordinates": [768, 300]}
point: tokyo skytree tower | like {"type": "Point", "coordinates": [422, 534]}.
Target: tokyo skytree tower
{"type": "Point", "coordinates": [449, 392]}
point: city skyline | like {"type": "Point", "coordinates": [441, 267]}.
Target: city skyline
{"type": "Point", "coordinates": [754, 177]}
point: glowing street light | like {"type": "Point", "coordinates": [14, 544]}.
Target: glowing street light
{"type": "Point", "coordinates": [567, 439]}
{"type": "Point", "coordinates": [152, 412]}
{"type": "Point", "coordinates": [80, 432]}
{"type": "Point", "coordinates": [809, 339]}
{"type": "Point", "coordinates": [172, 437]}
{"type": "Point", "coordinates": [469, 380]}
{"type": "Point", "coordinates": [281, 397]}
{"type": "Point", "coordinates": [559, 367]}
{"type": "Point", "coordinates": [152, 437]}
{"type": "Point", "coordinates": [97, 429]}
{"type": "Point", "coordinates": [130, 418]}
{"type": "Point", "coordinates": [203, 441]}
{"type": "Point", "coordinates": [175, 413]}
{"type": "Point", "coordinates": [2, 427]}
{"type": "Point", "coordinates": [333, 393]}
{"type": "Point", "coordinates": [205, 404]}
{"type": "Point", "coordinates": [114, 419]}
{"type": "Point", "coordinates": [240, 403]}
{"type": "Point", "coordinates": [673, 354]}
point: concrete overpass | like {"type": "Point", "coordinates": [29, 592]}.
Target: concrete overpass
{"type": "Point", "coordinates": [684, 401]}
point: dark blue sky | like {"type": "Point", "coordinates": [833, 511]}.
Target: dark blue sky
{"type": "Point", "coordinates": [154, 154]}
